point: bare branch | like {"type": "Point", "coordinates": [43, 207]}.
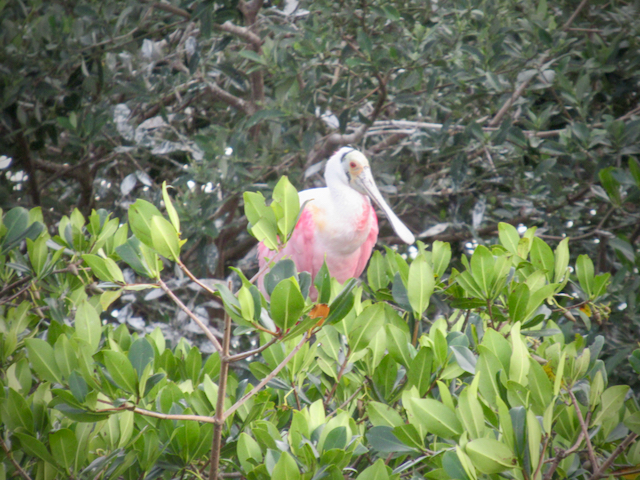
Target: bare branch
{"type": "Point", "coordinates": [9, 455]}
{"type": "Point", "coordinates": [609, 461]}
{"type": "Point", "coordinates": [216, 444]}
{"type": "Point", "coordinates": [243, 33]}
{"type": "Point", "coordinates": [249, 353]}
{"type": "Point", "coordinates": [573, 16]}
{"type": "Point", "coordinates": [585, 432]}
{"type": "Point", "coordinates": [268, 378]}
{"type": "Point", "coordinates": [171, 9]}
{"type": "Point", "coordinates": [229, 99]}
{"type": "Point", "coordinates": [191, 315]}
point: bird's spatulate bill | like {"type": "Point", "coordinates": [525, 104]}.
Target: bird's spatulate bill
{"type": "Point", "coordinates": [365, 179]}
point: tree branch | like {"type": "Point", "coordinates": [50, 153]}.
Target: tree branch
{"type": "Point", "coordinates": [191, 315]}
{"type": "Point", "coordinates": [268, 378]}
{"type": "Point", "coordinates": [609, 461]}
{"type": "Point", "coordinates": [231, 100]}
{"type": "Point", "coordinates": [243, 33]}
{"type": "Point", "coordinates": [9, 455]}
{"type": "Point", "coordinates": [249, 353]}
{"type": "Point", "coordinates": [585, 431]}
{"type": "Point", "coordinates": [216, 444]}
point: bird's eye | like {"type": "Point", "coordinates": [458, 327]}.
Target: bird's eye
{"type": "Point", "coordinates": [353, 165]}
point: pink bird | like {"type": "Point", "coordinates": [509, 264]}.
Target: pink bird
{"type": "Point", "coordinates": [338, 223]}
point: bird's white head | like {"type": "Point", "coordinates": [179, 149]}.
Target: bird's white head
{"type": "Point", "coordinates": [350, 167]}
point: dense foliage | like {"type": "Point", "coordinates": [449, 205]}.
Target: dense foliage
{"type": "Point", "coordinates": [515, 122]}
{"type": "Point", "coordinates": [472, 113]}
{"type": "Point", "coordinates": [356, 384]}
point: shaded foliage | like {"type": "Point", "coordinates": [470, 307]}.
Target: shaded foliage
{"type": "Point", "coordinates": [472, 112]}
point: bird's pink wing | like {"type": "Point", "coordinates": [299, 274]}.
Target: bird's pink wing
{"type": "Point", "coordinates": [299, 249]}
{"type": "Point", "coordinates": [367, 246]}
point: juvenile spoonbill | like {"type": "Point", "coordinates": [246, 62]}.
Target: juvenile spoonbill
{"type": "Point", "coordinates": [338, 223]}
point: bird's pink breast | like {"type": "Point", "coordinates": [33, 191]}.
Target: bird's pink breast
{"type": "Point", "coordinates": [346, 248]}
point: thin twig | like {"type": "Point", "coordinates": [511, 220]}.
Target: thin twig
{"type": "Point", "coordinates": [585, 431]}
{"type": "Point", "coordinates": [540, 460]}
{"type": "Point", "coordinates": [163, 416]}
{"type": "Point", "coordinates": [347, 401]}
{"type": "Point", "coordinates": [573, 16]}
{"type": "Point", "coordinates": [340, 373]}
{"type": "Point", "coordinates": [216, 444]}
{"type": "Point", "coordinates": [266, 379]}
{"type": "Point", "coordinates": [243, 355]}
{"type": "Point", "coordinates": [9, 455]}
{"type": "Point", "coordinates": [185, 309]}
{"type": "Point", "coordinates": [561, 455]}
{"type": "Point", "coordinates": [188, 273]}
{"type": "Point", "coordinates": [609, 461]}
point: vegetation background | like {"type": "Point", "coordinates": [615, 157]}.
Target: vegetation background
{"type": "Point", "coordinates": [472, 113]}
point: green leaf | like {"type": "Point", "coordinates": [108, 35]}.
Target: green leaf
{"type": "Point", "coordinates": [377, 471]}
{"type": "Point", "coordinates": [38, 253]}
{"type": "Point", "coordinates": [253, 56]}
{"type": "Point", "coordinates": [561, 260]}
{"type": "Point", "coordinates": [542, 257]}
{"type": "Point", "coordinates": [88, 325]}
{"type": "Point", "coordinates": [366, 326]}
{"type": "Point", "coordinates": [16, 222]}
{"type": "Point", "coordinates": [470, 411]}
{"type": "Point", "coordinates": [287, 303]}
{"type": "Point", "coordinates": [382, 439]}
{"type": "Point", "coordinates": [434, 416]}
{"type": "Point", "coordinates": [286, 468]}
{"type": "Point", "coordinates": [482, 269]}
{"type": "Point", "coordinates": [610, 184]}
{"type": "Point", "coordinates": [585, 273]}
{"type": "Point", "coordinates": [342, 304]}
{"type": "Point", "coordinates": [266, 231]}
{"type": "Point", "coordinates": [34, 447]}
{"type": "Point", "coordinates": [15, 411]}
{"type": "Point", "coordinates": [519, 369]}
{"type": "Point", "coordinates": [64, 446]}
{"type": "Point", "coordinates": [140, 354]}
{"type": "Point", "coordinates": [78, 386]}
{"type": "Point", "coordinates": [634, 168]}
{"type": "Point", "coordinates": [377, 276]}
{"type": "Point", "coordinates": [171, 210]}
{"type": "Point", "coordinates": [490, 456]}
{"type": "Point", "coordinates": [509, 237]}
{"type": "Point", "coordinates": [140, 215]}
{"type": "Point", "coordinates": [104, 268]}
{"type": "Point", "coordinates": [65, 355]}
{"type": "Point", "coordinates": [611, 403]}
{"type": "Point", "coordinates": [286, 206]}
{"type": "Point", "coordinates": [518, 301]}
{"type": "Point", "coordinates": [466, 281]}
{"type": "Point", "coordinates": [441, 256]}
{"type": "Point", "coordinates": [164, 238]}
{"type": "Point", "coordinates": [419, 371]}
{"type": "Point", "coordinates": [249, 452]}
{"type": "Point", "coordinates": [255, 208]}
{"type": "Point", "coordinates": [121, 370]}
{"type": "Point", "coordinates": [381, 414]}
{"type": "Point", "coordinates": [464, 358]}
{"type": "Point", "coordinates": [540, 387]}
{"type": "Point", "coordinates": [43, 359]}
{"type": "Point", "coordinates": [130, 253]}
{"type": "Point", "coordinates": [420, 285]}
{"type": "Point", "coordinates": [398, 342]}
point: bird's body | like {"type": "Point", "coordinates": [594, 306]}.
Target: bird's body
{"type": "Point", "coordinates": [338, 223]}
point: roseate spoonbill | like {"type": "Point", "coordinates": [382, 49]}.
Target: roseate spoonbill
{"type": "Point", "coordinates": [338, 223]}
